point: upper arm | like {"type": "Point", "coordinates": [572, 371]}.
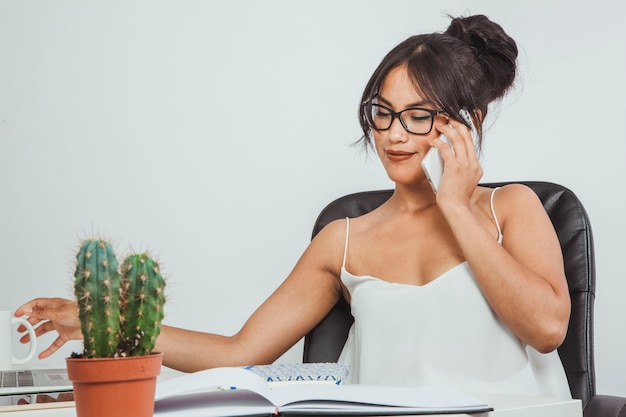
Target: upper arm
{"type": "Point", "coordinates": [535, 305]}
{"type": "Point", "coordinates": [529, 236]}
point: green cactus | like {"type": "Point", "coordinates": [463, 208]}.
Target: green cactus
{"type": "Point", "coordinates": [97, 289]}
{"type": "Point", "coordinates": [120, 314]}
{"type": "Point", "coordinates": [144, 301]}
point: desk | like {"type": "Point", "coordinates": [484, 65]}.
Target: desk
{"type": "Point", "coordinates": [504, 406]}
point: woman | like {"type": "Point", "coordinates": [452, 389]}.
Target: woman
{"type": "Point", "coordinates": [464, 286]}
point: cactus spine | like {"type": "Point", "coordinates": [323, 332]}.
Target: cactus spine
{"type": "Point", "coordinates": [119, 315]}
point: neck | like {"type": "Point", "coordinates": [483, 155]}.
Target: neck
{"type": "Point", "coordinates": [413, 199]}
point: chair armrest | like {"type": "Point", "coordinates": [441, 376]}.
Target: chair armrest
{"type": "Point", "coordinates": [605, 406]}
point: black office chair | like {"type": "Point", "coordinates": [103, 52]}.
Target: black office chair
{"type": "Point", "coordinates": [325, 342]}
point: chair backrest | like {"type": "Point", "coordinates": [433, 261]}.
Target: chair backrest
{"type": "Point", "coordinates": [325, 342]}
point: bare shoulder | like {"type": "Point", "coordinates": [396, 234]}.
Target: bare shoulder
{"type": "Point", "coordinates": [510, 202]}
{"type": "Point", "coordinates": [519, 207]}
{"type": "Point", "coordinates": [517, 189]}
{"type": "Point", "coordinates": [510, 196]}
{"type": "Point", "coordinates": [333, 231]}
{"type": "Point", "coordinates": [327, 246]}
{"type": "Point", "coordinates": [516, 197]}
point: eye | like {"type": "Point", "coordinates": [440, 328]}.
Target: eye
{"type": "Point", "coordinates": [380, 112]}
{"type": "Point", "coordinates": [419, 118]}
{"type": "Point", "coordinates": [418, 115]}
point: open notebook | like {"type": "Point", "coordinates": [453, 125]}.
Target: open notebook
{"type": "Point", "coordinates": [34, 381]}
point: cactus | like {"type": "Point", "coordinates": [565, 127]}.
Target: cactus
{"type": "Point", "coordinates": [144, 300]}
{"type": "Point", "coordinates": [119, 315]}
{"type": "Point", "coordinates": [97, 289]}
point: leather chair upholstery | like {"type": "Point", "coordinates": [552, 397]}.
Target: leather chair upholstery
{"type": "Point", "coordinates": [325, 342]}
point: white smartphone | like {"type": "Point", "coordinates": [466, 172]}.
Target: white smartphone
{"type": "Point", "coordinates": [432, 164]}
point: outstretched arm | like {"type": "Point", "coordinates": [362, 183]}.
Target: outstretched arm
{"type": "Point", "coordinates": [299, 303]}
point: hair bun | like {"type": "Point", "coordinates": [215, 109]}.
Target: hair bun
{"type": "Point", "coordinates": [494, 49]}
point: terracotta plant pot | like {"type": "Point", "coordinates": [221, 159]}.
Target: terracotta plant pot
{"type": "Point", "coordinates": [119, 387]}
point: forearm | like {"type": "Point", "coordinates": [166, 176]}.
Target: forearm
{"type": "Point", "coordinates": [190, 351]}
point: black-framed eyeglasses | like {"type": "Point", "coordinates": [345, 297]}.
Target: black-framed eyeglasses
{"type": "Point", "coordinates": [414, 120]}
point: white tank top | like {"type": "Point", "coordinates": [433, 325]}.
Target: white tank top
{"type": "Point", "coordinates": [441, 333]}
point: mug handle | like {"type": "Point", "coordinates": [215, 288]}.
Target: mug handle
{"type": "Point", "coordinates": [33, 341]}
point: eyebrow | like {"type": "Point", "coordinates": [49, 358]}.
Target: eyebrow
{"type": "Point", "coordinates": [411, 105]}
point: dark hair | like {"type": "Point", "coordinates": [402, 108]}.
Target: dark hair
{"type": "Point", "coordinates": [468, 66]}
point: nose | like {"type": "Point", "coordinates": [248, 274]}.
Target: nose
{"type": "Point", "coordinates": [396, 131]}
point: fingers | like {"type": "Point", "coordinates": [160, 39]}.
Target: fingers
{"type": "Point", "coordinates": [50, 314]}
{"type": "Point", "coordinates": [41, 329]}
{"type": "Point", "coordinates": [462, 170]}
{"type": "Point", "coordinates": [37, 304]}
{"type": "Point", "coordinates": [47, 314]}
{"type": "Point", "coordinates": [24, 309]}
{"type": "Point", "coordinates": [56, 345]}
{"type": "Point", "coordinates": [459, 137]}
{"type": "Point", "coordinates": [35, 310]}
{"type": "Point", "coordinates": [43, 309]}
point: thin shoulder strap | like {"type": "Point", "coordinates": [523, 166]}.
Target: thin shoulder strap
{"type": "Point", "coordinates": [345, 249]}
{"type": "Point", "coordinates": [495, 218]}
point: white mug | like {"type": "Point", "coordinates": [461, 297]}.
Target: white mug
{"type": "Point", "coordinates": [7, 321]}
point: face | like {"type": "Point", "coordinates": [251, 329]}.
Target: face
{"type": "Point", "coordinates": [401, 152]}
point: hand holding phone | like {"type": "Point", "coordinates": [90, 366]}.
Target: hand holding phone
{"type": "Point", "coordinates": [432, 164]}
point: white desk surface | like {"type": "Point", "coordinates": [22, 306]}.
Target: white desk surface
{"type": "Point", "coordinates": [504, 406]}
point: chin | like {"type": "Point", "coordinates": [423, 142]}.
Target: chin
{"type": "Point", "coordinates": [404, 178]}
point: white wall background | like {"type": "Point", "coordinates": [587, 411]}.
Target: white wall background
{"type": "Point", "coordinates": [214, 133]}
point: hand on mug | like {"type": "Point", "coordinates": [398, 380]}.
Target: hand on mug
{"type": "Point", "coordinates": [47, 314]}
{"type": "Point", "coordinates": [7, 359]}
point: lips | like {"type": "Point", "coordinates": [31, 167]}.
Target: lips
{"type": "Point", "coordinates": [399, 156]}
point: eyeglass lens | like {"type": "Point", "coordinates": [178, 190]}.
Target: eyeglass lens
{"type": "Point", "coordinates": [418, 121]}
